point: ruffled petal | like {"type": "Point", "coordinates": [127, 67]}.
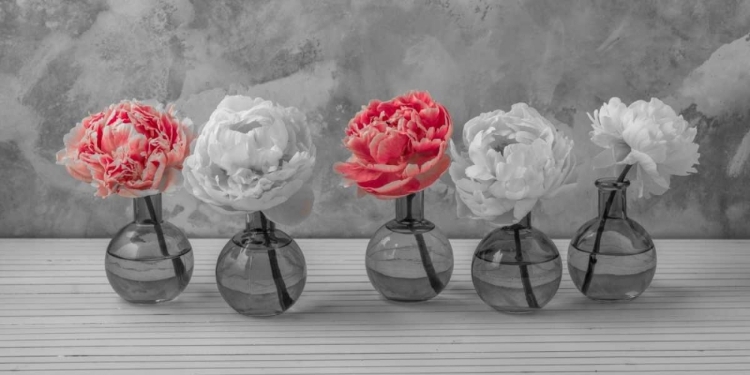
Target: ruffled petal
{"type": "Point", "coordinates": [515, 159]}
{"type": "Point", "coordinates": [253, 155]}
{"type": "Point", "coordinates": [398, 147]}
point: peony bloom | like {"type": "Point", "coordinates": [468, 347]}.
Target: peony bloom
{"type": "Point", "coordinates": [650, 136]}
{"type": "Point", "coordinates": [130, 149]}
{"type": "Point", "coordinates": [254, 155]}
{"type": "Point", "coordinates": [514, 159]}
{"type": "Point", "coordinates": [398, 147]}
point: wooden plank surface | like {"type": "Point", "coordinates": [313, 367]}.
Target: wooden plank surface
{"type": "Point", "coordinates": [58, 315]}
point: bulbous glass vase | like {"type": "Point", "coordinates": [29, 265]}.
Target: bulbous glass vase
{"type": "Point", "coordinates": [516, 268]}
{"type": "Point", "coordinates": [611, 257]}
{"type": "Point", "coordinates": [149, 260]}
{"type": "Point", "coordinates": [409, 259]}
{"type": "Point", "coordinates": [261, 271]}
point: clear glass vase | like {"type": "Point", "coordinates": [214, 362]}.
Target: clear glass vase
{"type": "Point", "coordinates": [611, 257]}
{"type": "Point", "coordinates": [409, 259]}
{"type": "Point", "coordinates": [261, 271]}
{"type": "Point", "coordinates": [516, 268]}
{"type": "Point", "coordinates": [149, 260]}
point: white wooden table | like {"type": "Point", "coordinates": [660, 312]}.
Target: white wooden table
{"type": "Point", "coordinates": [59, 315]}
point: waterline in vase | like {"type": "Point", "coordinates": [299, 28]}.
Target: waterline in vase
{"type": "Point", "coordinates": [148, 281]}
{"type": "Point", "coordinates": [618, 276]}
{"type": "Point", "coordinates": [408, 259]}
{"type": "Point", "coordinates": [149, 260]}
{"type": "Point", "coordinates": [400, 275]}
{"type": "Point", "coordinates": [261, 271]}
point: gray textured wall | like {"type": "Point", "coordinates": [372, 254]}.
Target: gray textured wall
{"type": "Point", "coordinates": [60, 60]}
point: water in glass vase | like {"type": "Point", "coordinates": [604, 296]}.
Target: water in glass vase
{"type": "Point", "coordinates": [516, 268]}
{"type": "Point", "coordinates": [618, 276]}
{"type": "Point", "coordinates": [150, 280]}
{"type": "Point", "coordinates": [611, 257]}
{"type": "Point", "coordinates": [261, 271]}
{"type": "Point", "coordinates": [262, 301]}
{"type": "Point", "coordinates": [248, 284]}
{"type": "Point", "coordinates": [409, 259]}
{"type": "Point", "coordinates": [400, 275]}
{"type": "Point", "coordinates": [149, 260]}
{"type": "Point", "coordinates": [499, 283]}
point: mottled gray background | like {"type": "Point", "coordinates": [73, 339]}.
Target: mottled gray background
{"type": "Point", "coordinates": [60, 60]}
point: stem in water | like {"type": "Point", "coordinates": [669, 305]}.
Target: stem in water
{"type": "Point", "coordinates": [527, 290]}
{"type": "Point", "coordinates": [599, 231]}
{"type": "Point", "coordinates": [429, 268]}
{"type": "Point", "coordinates": [179, 267]}
{"type": "Point", "coordinates": [281, 291]}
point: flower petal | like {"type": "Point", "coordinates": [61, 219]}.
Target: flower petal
{"type": "Point", "coordinates": [295, 209]}
{"type": "Point", "coordinates": [398, 147]}
{"type": "Point", "coordinates": [515, 159]}
{"type": "Point", "coordinates": [522, 208]}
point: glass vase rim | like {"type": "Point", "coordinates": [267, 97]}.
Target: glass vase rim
{"type": "Point", "coordinates": [523, 223]}
{"type": "Point", "coordinates": [156, 195]}
{"type": "Point", "coordinates": [611, 183]}
{"type": "Point", "coordinates": [246, 235]}
{"type": "Point", "coordinates": [249, 214]}
{"type": "Point", "coordinates": [407, 195]}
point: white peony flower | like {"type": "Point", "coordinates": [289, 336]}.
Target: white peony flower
{"type": "Point", "coordinates": [650, 136]}
{"type": "Point", "coordinates": [254, 155]}
{"type": "Point", "coordinates": [514, 159]}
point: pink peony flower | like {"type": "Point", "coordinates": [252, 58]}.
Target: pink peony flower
{"type": "Point", "coordinates": [398, 147]}
{"type": "Point", "coordinates": [130, 149]}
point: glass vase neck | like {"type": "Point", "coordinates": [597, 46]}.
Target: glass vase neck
{"type": "Point", "coordinates": [612, 197]}
{"type": "Point", "coordinates": [141, 211]}
{"type": "Point", "coordinates": [258, 222]}
{"type": "Point", "coordinates": [524, 223]}
{"type": "Point", "coordinates": [410, 208]}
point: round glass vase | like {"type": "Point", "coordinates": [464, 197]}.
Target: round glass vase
{"type": "Point", "coordinates": [261, 271]}
{"type": "Point", "coordinates": [409, 259]}
{"type": "Point", "coordinates": [611, 257]}
{"type": "Point", "coordinates": [149, 260]}
{"type": "Point", "coordinates": [516, 268]}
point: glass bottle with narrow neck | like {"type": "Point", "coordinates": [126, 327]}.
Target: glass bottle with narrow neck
{"type": "Point", "coordinates": [612, 257]}
{"type": "Point", "coordinates": [409, 259]}
{"type": "Point", "coordinates": [149, 260]}
{"type": "Point", "coordinates": [411, 209]}
{"type": "Point", "coordinates": [617, 193]}
{"type": "Point", "coordinates": [261, 232]}
{"type": "Point", "coordinates": [141, 213]}
{"type": "Point", "coordinates": [516, 268]}
{"type": "Point", "coordinates": [261, 271]}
